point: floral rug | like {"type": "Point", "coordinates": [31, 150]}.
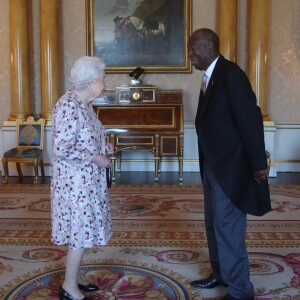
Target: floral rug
{"type": "Point", "coordinates": [158, 246]}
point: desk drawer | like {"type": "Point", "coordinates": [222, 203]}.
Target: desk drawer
{"type": "Point", "coordinates": [142, 118]}
{"type": "Point", "coordinates": [130, 140]}
{"type": "Point", "coordinates": [169, 145]}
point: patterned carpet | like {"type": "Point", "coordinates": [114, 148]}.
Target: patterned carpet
{"type": "Point", "coordinates": [158, 246]}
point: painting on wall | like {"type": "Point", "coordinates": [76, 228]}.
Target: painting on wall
{"type": "Point", "coordinates": [152, 34]}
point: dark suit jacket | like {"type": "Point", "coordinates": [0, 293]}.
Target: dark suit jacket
{"type": "Point", "coordinates": [230, 134]}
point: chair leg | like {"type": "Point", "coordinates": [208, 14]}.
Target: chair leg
{"type": "Point", "coordinates": [36, 171]}
{"type": "Point", "coordinates": [18, 164]}
{"type": "Point", "coordinates": [5, 168]}
{"type": "Point", "coordinates": [42, 167]}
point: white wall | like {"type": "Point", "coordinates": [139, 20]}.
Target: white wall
{"type": "Point", "coordinates": [282, 141]}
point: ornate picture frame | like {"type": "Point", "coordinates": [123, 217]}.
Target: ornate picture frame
{"type": "Point", "coordinates": [152, 34]}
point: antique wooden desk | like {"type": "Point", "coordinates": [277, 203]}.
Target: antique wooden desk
{"type": "Point", "coordinates": [145, 119]}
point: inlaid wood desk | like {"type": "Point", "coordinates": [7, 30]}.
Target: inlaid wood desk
{"type": "Point", "coordinates": [138, 124]}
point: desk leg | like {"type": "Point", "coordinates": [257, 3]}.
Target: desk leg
{"type": "Point", "coordinates": [156, 167]}
{"type": "Point", "coordinates": [113, 164]}
{"type": "Point", "coordinates": [180, 159]}
{"type": "Point", "coordinates": [159, 166]}
{"type": "Point", "coordinates": [119, 162]}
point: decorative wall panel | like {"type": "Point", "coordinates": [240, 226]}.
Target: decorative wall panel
{"type": "Point", "coordinates": [284, 57]}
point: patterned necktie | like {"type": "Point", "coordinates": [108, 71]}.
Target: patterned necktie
{"type": "Point", "coordinates": [204, 83]}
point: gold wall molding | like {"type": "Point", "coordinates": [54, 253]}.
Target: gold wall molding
{"type": "Point", "coordinates": [258, 47]}
{"type": "Point", "coordinates": [19, 56]}
{"type": "Point", "coordinates": [227, 28]}
{"type": "Point", "coordinates": [50, 71]}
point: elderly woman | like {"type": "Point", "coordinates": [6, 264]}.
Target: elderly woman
{"type": "Point", "coordinates": [80, 155]}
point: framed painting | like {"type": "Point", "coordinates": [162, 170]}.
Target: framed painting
{"type": "Point", "coordinates": [152, 34]}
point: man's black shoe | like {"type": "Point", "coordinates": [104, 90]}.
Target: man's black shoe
{"type": "Point", "coordinates": [207, 283]}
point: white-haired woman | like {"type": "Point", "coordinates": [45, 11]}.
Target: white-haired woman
{"type": "Point", "coordinates": [80, 155]}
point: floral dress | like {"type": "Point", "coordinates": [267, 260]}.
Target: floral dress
{"type": "Point", "coordinates": [79, 198]}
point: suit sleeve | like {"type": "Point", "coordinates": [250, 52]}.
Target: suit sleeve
{"type": "Point", "coordinates": [247, 117]}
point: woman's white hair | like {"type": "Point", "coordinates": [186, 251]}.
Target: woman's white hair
{"type": "Point", "coordinates": [85, 70]}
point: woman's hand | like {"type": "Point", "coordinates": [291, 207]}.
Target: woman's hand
{"type": "Point", "coordinates": [101, 161]}
{"type": "Point", "coordinates": [109, 149]}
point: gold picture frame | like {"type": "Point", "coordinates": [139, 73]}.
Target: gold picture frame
{"type": "Point", "coordinates": [152, 34]}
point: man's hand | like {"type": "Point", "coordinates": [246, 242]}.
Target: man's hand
{"type": "Point", "coordinates": [260, 175]}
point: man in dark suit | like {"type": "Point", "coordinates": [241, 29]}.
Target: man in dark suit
{"type": "Point", "coordinates": [233, 163]}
